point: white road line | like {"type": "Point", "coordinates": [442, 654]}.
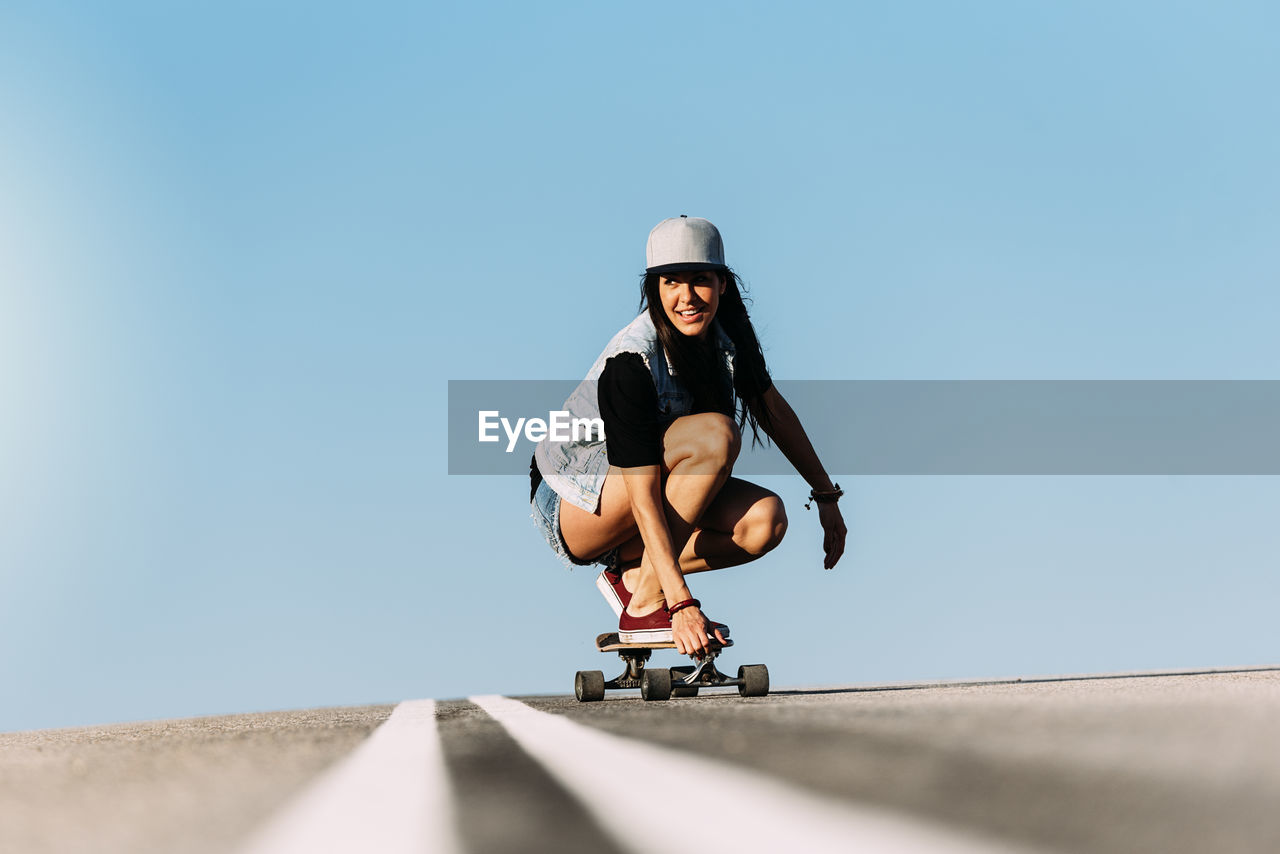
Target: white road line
{"type": "Point", "coordinates": [653, 799]}
{"type": "Point", "coordinates": [390, 795]}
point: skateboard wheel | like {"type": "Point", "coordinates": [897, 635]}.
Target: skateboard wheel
{"type": "Point", "coordinates": [656, 684]}
{"type": "Point", "coordinates": [588, 686]}
{"type": "Point", "coordinates": [678, 690]}
{"type": "Point", "coordinates": [755, 680]}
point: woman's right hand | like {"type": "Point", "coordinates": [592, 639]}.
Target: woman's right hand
{"type": "Point", "coordinates": [689, 629]}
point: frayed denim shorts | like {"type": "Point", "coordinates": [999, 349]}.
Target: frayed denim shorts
{"type": "Point", "coordinates": [546, 515]}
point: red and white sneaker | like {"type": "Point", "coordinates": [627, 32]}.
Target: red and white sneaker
{"type": "Point", "coordinates": [651, 628]}
{"type": "Point", "coordinates": [655, 628]}
{"type": "Point", "coordinates": [609, 583]}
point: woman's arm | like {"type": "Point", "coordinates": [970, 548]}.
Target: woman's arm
{"type": "Point", "coordinates": [644, 489]}
{"type": "Point", "coordinates": [689, 626]}
{"type": "Point", "coordinates": [629, 406]}
{"type": "Point", "coordinates": [787, 431]}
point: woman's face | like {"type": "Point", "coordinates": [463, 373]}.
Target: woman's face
{"type": "Point", "coordinates": [690, 299]}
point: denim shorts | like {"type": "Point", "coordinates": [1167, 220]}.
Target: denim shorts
{"type": "Point", "coordinates": [546, 515]}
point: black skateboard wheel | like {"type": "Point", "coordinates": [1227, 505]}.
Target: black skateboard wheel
{"type": "Point", "coordinates": [679, 690]}
{"type": "Point", "coordinates": [656, 684]}
{"type": "Point", "coordinates": [755, 680]}
{"type": "Point", "coordinates": [588, 686]}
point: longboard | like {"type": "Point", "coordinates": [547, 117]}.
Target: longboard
{"type": "Point", "coordinates": [662, 683]}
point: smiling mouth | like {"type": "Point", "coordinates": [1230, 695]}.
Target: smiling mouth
{"type": "Point", "coordinates": [690, 313]}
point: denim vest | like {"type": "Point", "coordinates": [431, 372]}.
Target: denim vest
{"type": "Point", "coordinates": [576, 469]}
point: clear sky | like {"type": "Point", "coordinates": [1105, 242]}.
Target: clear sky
{"type": "Point", "coordinates": [244, 248]}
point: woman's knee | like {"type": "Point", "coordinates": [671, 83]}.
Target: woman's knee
{"type": "Point", "coordinates": [763, 526]}
{"type": "Point", "coordinates": [708, 438]}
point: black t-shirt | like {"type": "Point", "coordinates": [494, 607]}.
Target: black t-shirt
{"type": "Point", "coordinates": [628, 404]}
{"type": "Point", "coordinates": [629, 409]}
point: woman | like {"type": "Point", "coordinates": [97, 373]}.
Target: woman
{"type": "Point", "coordinates": [653, 499]}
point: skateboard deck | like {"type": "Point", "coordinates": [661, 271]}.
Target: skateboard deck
{"type": "Point", "coordinates": [663, 683]}
{"type": "Point", "coordinates": [609, 642]}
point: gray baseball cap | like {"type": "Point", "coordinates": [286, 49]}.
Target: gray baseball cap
{"type": "Point", "coordinates": [684, 243]}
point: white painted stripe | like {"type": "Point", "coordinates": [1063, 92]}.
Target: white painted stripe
{"type": "Point", "coordinates": [390, 795]}
{"type": "Point", "coordinates": [679, 802]}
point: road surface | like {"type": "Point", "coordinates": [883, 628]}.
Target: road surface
{"type": "Point", "coordinates": [1184, 762]}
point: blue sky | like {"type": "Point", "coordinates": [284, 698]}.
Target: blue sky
{"type": "Point", "coordinates": [243, 250]}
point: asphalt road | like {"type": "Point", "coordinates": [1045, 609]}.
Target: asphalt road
{"type": "Point", "coordinates": [1169, 763]}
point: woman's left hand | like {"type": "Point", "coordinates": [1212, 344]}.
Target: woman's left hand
{"type": "Point", "coordinates": [833, 532]}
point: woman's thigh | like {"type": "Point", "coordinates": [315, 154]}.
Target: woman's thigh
{"type": "Point", "coordinates": [704, 435]}
{"type": "Point", "coordinates": [590, 534]}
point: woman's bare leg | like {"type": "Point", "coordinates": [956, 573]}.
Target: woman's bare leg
{"type": "Point", "coordinates": [698, 454]}
{"type": "Point", "coordinates": [744, 522]}
{"type": "Point", "coordinates": [589, 535]}
{"type": "Point", "coordinates": [715, 521]}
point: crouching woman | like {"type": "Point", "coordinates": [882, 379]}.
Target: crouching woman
{"type": "Point", "coordinates": [654, 500]}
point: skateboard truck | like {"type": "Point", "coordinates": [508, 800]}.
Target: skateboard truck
{"type": "Point", "coordinates": [704, 669]}
{"type": "Point", "coordinates": [631, 677]}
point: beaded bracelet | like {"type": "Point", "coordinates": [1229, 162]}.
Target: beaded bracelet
{"type": "Point", "coordinates": [680, 606]}
{"type": "Point", "coordinates": [827, 497]}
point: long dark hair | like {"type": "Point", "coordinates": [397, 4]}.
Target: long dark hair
{"type": "Point", "coordinates": [698, 367]}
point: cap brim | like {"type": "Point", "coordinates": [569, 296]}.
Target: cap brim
{"type": "Point", "coordinates": [689, 267]}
